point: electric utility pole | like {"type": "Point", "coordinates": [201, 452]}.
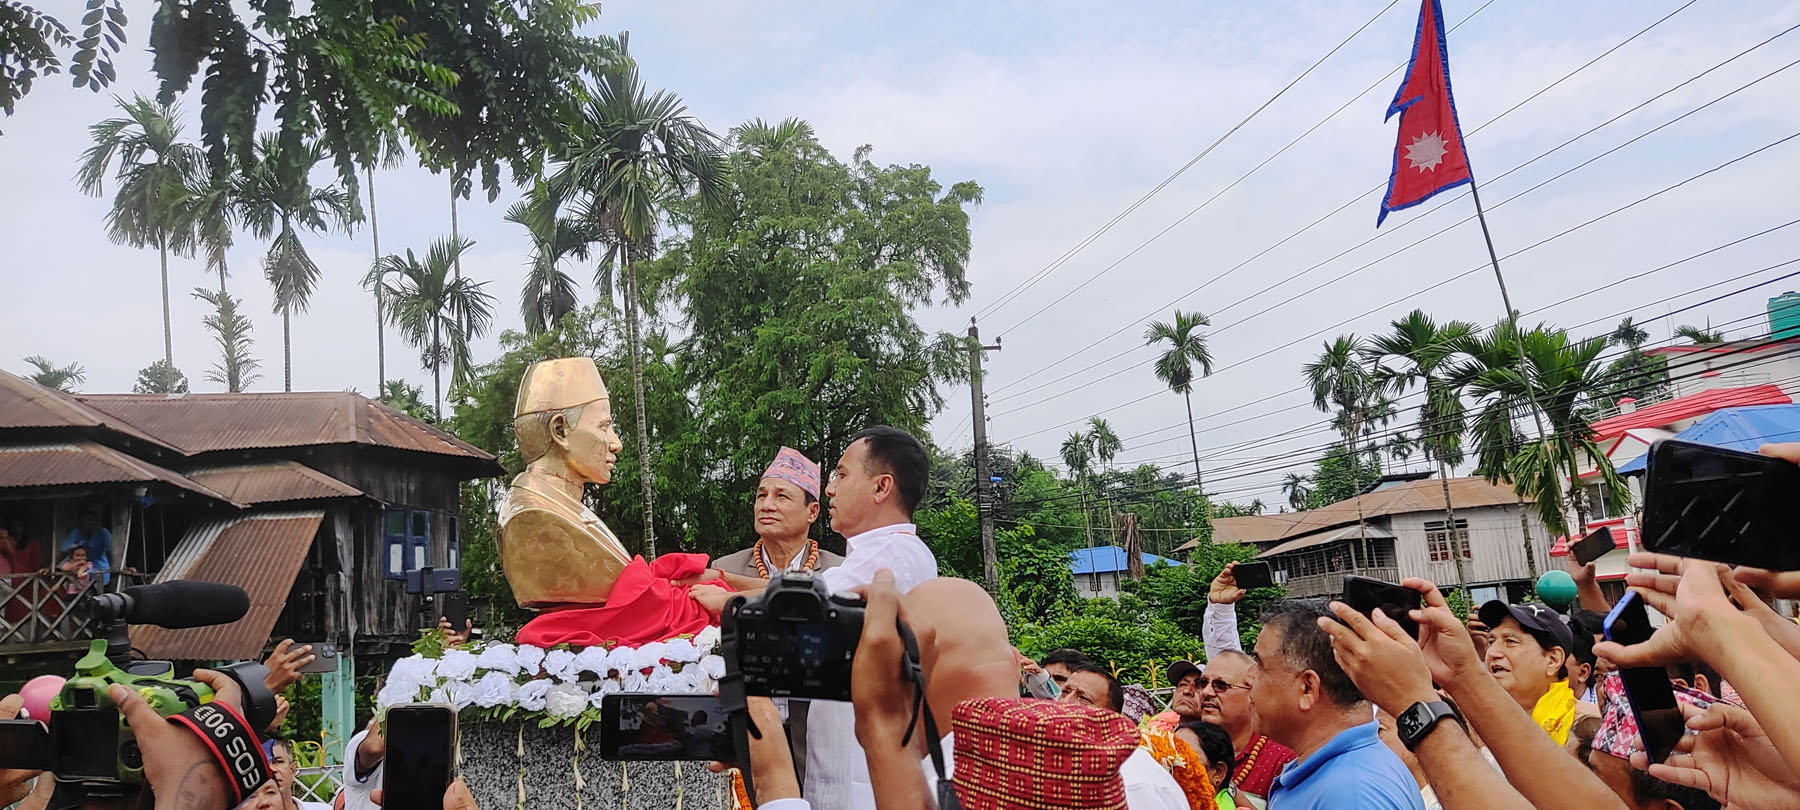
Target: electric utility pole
{"type": "Point", "coordinates": [984, 481]}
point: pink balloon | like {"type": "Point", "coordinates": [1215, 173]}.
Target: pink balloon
{"type": "Point", "coordinates": [37, 694]}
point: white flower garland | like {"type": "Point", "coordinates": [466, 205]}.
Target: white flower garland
{"type": "Point", "coordinates": [561, 686]}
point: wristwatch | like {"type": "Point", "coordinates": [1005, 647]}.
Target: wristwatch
{"type": "Point", "coordinates": [1416, 722]}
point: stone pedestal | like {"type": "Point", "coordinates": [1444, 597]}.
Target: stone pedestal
{"type": "Point", "coordinates": [547, 773]}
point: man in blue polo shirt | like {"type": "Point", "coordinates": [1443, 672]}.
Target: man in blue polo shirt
{"type": "Point", "coordinates": [1303, 699]}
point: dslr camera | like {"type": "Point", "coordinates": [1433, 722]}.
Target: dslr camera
{"type": "Point", "coordinates": [87, 744]}
{"type": "Point", "coordinates": [795, 640]}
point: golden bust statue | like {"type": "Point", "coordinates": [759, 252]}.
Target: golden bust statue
{"type": "Point", "coordinates": [556, 551]}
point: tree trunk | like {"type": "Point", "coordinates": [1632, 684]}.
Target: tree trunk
{"type": "Point", "coordinates": [1194, 441]}
{"type": "Point", "coordinates": [1450, 523]}
{"type": "Point", "coordinates": [453, 232]}
{"type": "Point", "coordinates": [287, 353]}
{"type": "Point", "coordinates": [437, 370]}
{"type": "Point", "coordinates": [221, 272]}
{"type": "Point", "coordinates": [162, 248]}
{"type": "Point", "coordinates": [380, 305]}
{"type": "Point", "coordinates": [1087, 520]}
{"type": "Point", "coordinates": [1362, 525]}
{"type": "Point", "coordinates": [634, 344]}
{"type": "Point", "coordinates": [1525, 529]}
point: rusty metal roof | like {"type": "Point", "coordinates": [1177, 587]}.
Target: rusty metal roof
{"type": "Point", "coordinates": [25, 404]}
{"type": "Point", "coordinates": [1425, 495]}
{"type": "Point", "coordinates": [261, 554]}
{"type": "Point", "coordinates": [85, 462]}
{"type": "Point", "coordinates": [201, 423]}
{"type": "Point", "coordinates": [275, 482]}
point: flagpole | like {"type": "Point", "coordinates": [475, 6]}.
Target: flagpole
{"type": "Point", "coordinates": [1512, 318]}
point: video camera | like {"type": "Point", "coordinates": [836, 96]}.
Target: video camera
{"type": "Point", "coordinates": [87, 744]}
{"type": "Point", "coordinates": [796, 640]}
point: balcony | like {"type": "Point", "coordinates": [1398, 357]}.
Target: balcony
{"type": "Point", "coordinates": [1333, 584]}
{"type": "Point", "coordinates": [39, 612]}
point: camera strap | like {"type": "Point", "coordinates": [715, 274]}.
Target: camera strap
{"type": "Point", "coordinates": [228, 736]}
{"type": "Point", "coordinates": [934, 742]}
{"type": "Point", "coordinates": [733, 701]}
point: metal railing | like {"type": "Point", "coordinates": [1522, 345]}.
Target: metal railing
{"type": "Point", "coordinates": [40, 608]}
{"type": "Point", "coordinates": [1333, 584]}
{"type": "Point", "coordinates": [318, 784]}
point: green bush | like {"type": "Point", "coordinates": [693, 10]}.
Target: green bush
{"type": "Point", "coordinates": [1124, 636]}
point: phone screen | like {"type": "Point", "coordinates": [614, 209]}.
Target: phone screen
{"type": "Point", "coordinates": [1593, 546]}
{"type": "Point", "coordinates": [421, 751]}
{"type": "Point", "coordinates": [1369, 595]}
{"type": "Point", "coordinates": [1253, 575]}
{"type": "Point", "coordinates": [1719, 504]}
{"type": "Point", "coordinates": [1648, 689]}
{"type": "Point", "coordinates": [638, 727]}
{"type": "Point", "coordinates": [24, 744]}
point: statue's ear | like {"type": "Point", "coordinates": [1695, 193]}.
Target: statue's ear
{"type": "Point", "coordinates": [559, 428]}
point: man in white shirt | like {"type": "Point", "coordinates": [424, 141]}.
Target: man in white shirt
{"type": "Point", "coordinates": [878, 482]}
{"type": "Point", "coordinates": [362, 769]}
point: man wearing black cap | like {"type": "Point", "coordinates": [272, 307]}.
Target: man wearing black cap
{"type": "Point", "coordinates": [1526, 656]}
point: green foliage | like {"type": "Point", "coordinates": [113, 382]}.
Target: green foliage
{"type": "Point", "coordinates": [1178, 593]}
{"type": "Point", "coordinates": [1337, 477]}
{"type": "Point", "coordinates": [30, 39]}
{"type": "Point", "coordinates": [236, 369]}
{"type": "Point", "coordinates": [160, 378]}
{"type": "Point", "coordinates": [305, 720]}
{"type": "Point", "coordinates": [407, 399]}
{"type": "Point", "coordinates": [50, 375]}
{"type": "Point", "coordinates": [1122, 635]}
{"type": "Point", "coordinates": [437, 310]}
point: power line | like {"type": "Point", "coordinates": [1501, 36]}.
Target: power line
{"type": "Point", "coordinates": [1440, 205]}
{"type": "Point", "coordinates": [1027, 284]}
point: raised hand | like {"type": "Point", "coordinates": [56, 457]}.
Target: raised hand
{"type": "Point", "coordinates": [1444, 640]}
{"type": "Point", "coordinates": [1730, 757]}
{"type": "Point", "coordinates": [1698, 612]}
{"type": "Point", "coordinates": [284, 665]}
{"type": "Point", "coordinates": [1379, 656]}
{"type": "Point", "coordinates": [1225, 590]}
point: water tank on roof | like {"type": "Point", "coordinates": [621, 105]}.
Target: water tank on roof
{"type": "Point", "coordinates": [1784, 316]}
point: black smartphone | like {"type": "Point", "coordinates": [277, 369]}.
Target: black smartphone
{"type": "Point", "coordinates": [1253, 575]}
{"type": "Point", "coordinates": [454, 606]}
{"type": "Point", "coordinates": [25, 745]}
{"type": "Point", "coordinates": [1718, 504]}
{"type": "Point", "coordinates": [637, 727]}
{"type": "Point", "coordinates": [1593, 546]}
{"type": "Point", "coordinates": [421, 756]}
{"type": "Point", "coordinates": [1397, 601]}
{"type": "Point", "coordinates": [1648, 689]}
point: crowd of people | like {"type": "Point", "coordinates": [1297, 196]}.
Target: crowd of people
{"type": "Point", "coordinates": [1512, 706]}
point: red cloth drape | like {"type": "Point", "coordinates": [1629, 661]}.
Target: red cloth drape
{"type": "Point", "coordinates": [645, 606]}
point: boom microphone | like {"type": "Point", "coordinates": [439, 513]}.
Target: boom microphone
{"type": "Point", "coordinates": [175, 605]}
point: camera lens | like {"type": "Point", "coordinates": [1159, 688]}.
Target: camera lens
{"type": "Point", "coordinates": [131, 755]}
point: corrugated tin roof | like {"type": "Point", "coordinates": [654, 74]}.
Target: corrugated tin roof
{"type": "Point", "coordinates": [276, 482]}
{"type": "Point", "coordinates": [260, 554]}
{"type": "Point", "coordinates": [25, 404]}
{"type": "Point", "coordinates": [1405, 498]}
{"type": "Point", "coordinates": [1322, 538]}
{"type": "Point", "coordinates": [1690, 406]}
{"type": "Point", "coordinates": [85, 462]}
{"type": "Point", "coordinates": [1107, 559]}
{"type": "Point", "coordinates": [200, 423]}
{"type": "Point", "coordinates": [1737, 428]}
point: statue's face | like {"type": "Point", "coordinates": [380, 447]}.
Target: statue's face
{"type": "Point", "coordinates": [591, 444]}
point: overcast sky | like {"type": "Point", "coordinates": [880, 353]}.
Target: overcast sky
{"type": "Point", "coordinates": [1067, 113]}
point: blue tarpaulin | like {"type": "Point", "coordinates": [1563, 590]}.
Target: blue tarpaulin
{"type": "Point", "coordinates": [1745, 428]}
{"type": "Point", "coordinates": [1106, 559]}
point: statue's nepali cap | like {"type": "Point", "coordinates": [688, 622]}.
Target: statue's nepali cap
{"type": "Point", "coordinates": [1019, 754]}
{"type": "Point", "coordinates": [790, 466]}
{"type": "Point", "coordinates": [552, 385]}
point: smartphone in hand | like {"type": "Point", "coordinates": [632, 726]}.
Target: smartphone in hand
{"type": "Point", "coordinates": [1648, 689]}
{"type": "Point", "coordinates": [453, 606]}
{"type": "Point", "coordinates": [1253, 575]}
{"type": "Point", "coordinates": [636, 727]}
{"type": "Point", "coordinates": [421, 756]}
{"type": "Point", "coordinates": [1593, 546]}
{"type": "Point", "coordinates": [1719, 504]}
{"type": "Point", "coordinates": [1367, 595]}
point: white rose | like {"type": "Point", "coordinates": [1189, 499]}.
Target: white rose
{"type": "Point", "coordinates": [494, 689]}
{"type": "Point", "coordinates": [648, 656]}
{"type": "Point", "coordinates": [532, 695]}
{"type": "Point", "coordinates": [707, 640]}
{"type": "Point", "coordinates": [560, 664]}
{"type": "Point", "coordinates": [565, 700]}
{"type": "Point", "coordinates": [437, 696]}
{"type": "Point", "coordinates": [606, 687]}
{"type": "Point", "coordinates": [619, 660]}
{"type": "Point", "coordinates": [499, 658]}
{"type": "Point", "coordinates": [713, 666]}
{"type": "Point", "coordinates": [529, 658]}
{"type": "Point", "coordinates": [460, 693]}
{"type": "Point", "coordinates": [592, 659]}
{"type": "Point", "coordinates": [680, 650]}
{"type": "Point", "coordinates": [663, 680]}
{"type": "Point", "coordinates": [396, 692]}
{"type": "Point", "coordinates": [456, 665]}
{"type": "Point", "coordinates": [414, 670]}
{"type": "Point", "coordinates": [634, 681]}
{"type": "Point", "coordinates": [694, 681]}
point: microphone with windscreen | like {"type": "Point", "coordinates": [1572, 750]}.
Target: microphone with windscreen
{"type": "Point", "coordinates": [175, 605]}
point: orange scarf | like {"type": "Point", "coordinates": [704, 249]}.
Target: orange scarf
{"type": "Point", "coordinates": [1183, 762]}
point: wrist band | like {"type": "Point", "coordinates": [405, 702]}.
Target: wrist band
{"type": "Point", "coordinates": [229, 737]}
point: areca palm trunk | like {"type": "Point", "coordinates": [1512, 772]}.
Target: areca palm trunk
{"type": "Point", "coordinates": [454, 235]}
{"type": "Point", "coordinates": [1194, 441]}
{"type": "Point", "coordinates": [634, 344]}
{"type": "Point", "coordinates": [380, 305]}
{"type": "Point", "coordinates": [437, 369]}
{"type": "Point", "coordinates": [1362, 524]}
{"type": "Point", "coordinates": [1450, 522]}
{"type": "Point", "coordinates": [162, 248]}
{"type": "Point", "coordinates": [287, 353]}
{"type": "Point", "coordinates": [1087, 520]}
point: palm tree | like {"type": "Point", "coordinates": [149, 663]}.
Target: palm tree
{"type": "Point", "coordinates": [1294, 486]}
{"type": "Point", "coordinates": [390, 154]}
{"type": "Point", "coordinates": [1699, 336]}
{"type": "Point", "coordinates": [1422, 352]}
{"type": "Point", "coordinates": [1629, 334]}
{"type": "Point", "coordinates": [632, 150]}
{"type": "Point", "coordinates": [1078, 456]}
{"type": "Point", "coordinates": [436, 312]}
{"type": "Point", "coordinates": [549, 293]}
{"type": "Point", "coordinates": [61, 378]}
{"type": "Point", "coordinates": [213, 210]}
{"type": "Point", "coordinates": [274, 195]}
{"type": "Point", "coordinates": [156, 175]}
{"type": "Point", "coordinates": [236, 369]}
{"type": "Point", "coordinates": [1555, 375]}
{"type": "Point", "coordinates": [1339, 380]}
{"type": "Point", "coordinates": [1175, 367]}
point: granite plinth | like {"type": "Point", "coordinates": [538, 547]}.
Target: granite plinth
{"type": "Point", "coordinates": [546, 776]}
